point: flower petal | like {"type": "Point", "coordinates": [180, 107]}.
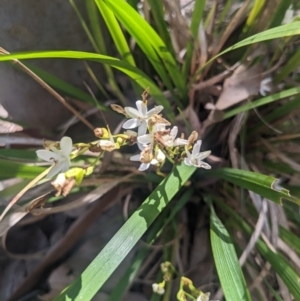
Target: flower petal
{"type": "Point", "coordinates": [187, 162]}
{"type": "Point", "coordinates": [135, 158]}
{"type": "Point", "coordinates": [204, 165]}
{"type": "Point", "coordinates": [180, 141]}
{"type": "Point", "coordinates": [142, 108]}
{"type": "Point", "coordinates": [131, 123]}
{"type": "Point", "coordinates": [145, 139]}
{"type": "Point", "coordinates": [155, 110]}
{"type": "Point", "coordinates": [174, 132]}
{"type": "Point", "coordinates": [132, 112]}
{"type": "Point", "coordinates": [202, 155]}
{"type": "Point", "coordinates": [54, 171]}
{"type": "Point", "coordinates": [142, 128]}
{"type": "Point", "coordinates": [196, 148]}
{"type": "Point", "coordinates": [64, 165]}
{"type": "Point", "coordinates": [47, 155]}
{"type": "Point", "coordinates": [66, 145]}
{"type": "Point", "coordinates": [140, 146]}
{"type": "Point", "coordinates": [144, 166]}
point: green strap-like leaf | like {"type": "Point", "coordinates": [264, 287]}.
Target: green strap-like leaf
{"type": "Point", "coordinates": [286, 30]}
{"type": "Point", "coordinates": [150, 42]}
{"type": "Point", "coordinates": [137, 75]}
{"type": "Point", "coordinates": [278, 262]}
{"type": "Point", "coordinates": [262, 101]}
{"type": "Point", "coordinates": [226, 261]}
{"type": "Point", "coordinates": [92, 279]}
{"type": "Point", "coordinates": [261, 184]}
{"type": "Point", "coordinates": [10, 169]}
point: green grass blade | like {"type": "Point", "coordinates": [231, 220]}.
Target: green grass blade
{"type": "Point", "coordinates": [262, 101]}
{"type": "Point", "coordinates": [96, 274]}
{"type": "Point", "coordinates": [195, 24]}
{"type": "Point", "coordinates": [135, 74]}
{"type": "Point", "coordinates": [286, 30]}
{"type": "Point", "coordinates": [157, 10]}
{"type": "Point", "coordinates": [256, 182]}
{"type": "Point", "coordinates": [280, 12]}
{"type": "Point", "coordinates": [282, 31]}
{"type": "Point", "coordinates": [229, 271]}
{"type": "Point", "coordinates": [278, 262]}
{"type": "Point", "coordinates": [10, 169]}
{"type": "Point", "coordinates": [281, 111]}
{"type": "Point", "coordinates": [292, 64]}
{"type": "Point", "coordinates": [256, 9]}
{"type": "Point", "coordinates": [98, 43]}
{"type": "Point", "coordinates": [116, 32]}
{"type": "Point", "coordinates": [290, 238]}
{"type": "Point", "coordinates": [151, 44]}
{"type": "Point", "coordinates": [275, 294]}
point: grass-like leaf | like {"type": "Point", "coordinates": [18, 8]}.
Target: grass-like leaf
{"type": "Point", "coordinates": [116, 32]}
{"type": "Point", "coordinates": [286, 30]}
{"type": "Point", "coordinates": [137, 75]}
{"type": "Point", "coordinates": [156, 230]}
{"type": "Point", "coordinates": [10, 169]}
{"type": "Point", "coordinates": [262, 101]}
{"type": "Point", "coordinates": [259, 183]}
{"type": "Point", "coordinates": [278, 262]}
{"type": "Point", "coordinates": [92, 279]}
{"type": "Point", "coordinates": [151, 44]}
{"type": "Point", "coordinates": [226, 261]}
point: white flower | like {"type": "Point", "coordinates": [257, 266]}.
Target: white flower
{"type": "Point", "coordinates": [158, 289]}
{"type": "Point", "coordinates": [203, 297]}
{"type": "Point", "coordinates": [195, 158]}
{"type": "Point", "coordinates": [61, 158]}
{"type": "Point", "coordinates": [146, 158]}
{"type": "Point", "coordinates": [149, 138]}
{"type": "Point", "coordinates": [265, 86]}
{"type": "Point", "coordinates": [140, 116]}
{"type": "Point", "coordinates": [170, 140]}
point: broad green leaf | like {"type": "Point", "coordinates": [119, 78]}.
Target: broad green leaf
{"type": "Point", "coordinates": [137, 75]}
{"type": "Point", "coordinates": [256, 182]}
{"type": "Point", "coordinates": [229, 271]}
{"type": "Point", "coordinates": [262, 101]}
{"type": "Point", "coordinates": [96, 274]}
{"type": "Point", "coordinates": [151, 44]}
{"type": "Point", "coordinates": [278, 262]}
{"type": "Point", "coordinates": [10, 169]}
{"type": "Point", "coordinates": [139, 258]}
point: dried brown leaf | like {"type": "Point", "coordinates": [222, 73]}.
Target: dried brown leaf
{"type": "Point", "coordinates": [239, 86]}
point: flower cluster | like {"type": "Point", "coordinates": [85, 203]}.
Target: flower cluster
{"type": "Point", "coordinates": [161, 143]}
{"type": "Point", "coordinates": [155, 138]}
{"type": "Point", "coordinates": [186, 291]}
